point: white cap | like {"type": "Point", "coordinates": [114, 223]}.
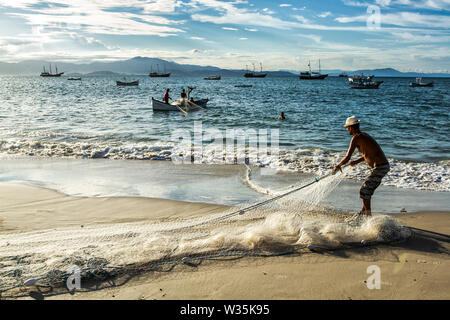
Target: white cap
{"type": "Point", "coordinates": [351, 121]}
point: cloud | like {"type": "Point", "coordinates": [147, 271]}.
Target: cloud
{"type": "Point", "coordinates": [100, 17]}
{"type": "Point", "coordinates": [418, 4]}
{"type": "Point", "coordinates": [230, 29]}
{"type": "Point", "coordinates": [425, 4]}
{"type": "Point", "coordinates": [405, 19]}
{"type": "Point", "coordinates": [383, 3]}
{"type": "Point", "coordinates": [325, 14]}
{"type": "Point", "coordinates": [268, 11]}
{"type": "Point", "coordinates": [228, 13]}
{"type": "Point", "coordinates": [301, 19]}
{"type": "Point", "coordinates": [313, 37]}
{"type": "Point", "coordinates": [285, 5]}
{"type": "Point", "coordinates": [353, 3]}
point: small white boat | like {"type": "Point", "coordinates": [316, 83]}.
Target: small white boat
{"type": "Point", "coordinates": [178, 105]}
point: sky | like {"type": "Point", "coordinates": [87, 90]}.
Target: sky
{"type": "Point", "coordinates": [408, 35]}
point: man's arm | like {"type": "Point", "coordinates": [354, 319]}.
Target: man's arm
{"type": "Point", "coordinates": [355, 162]}
{"type": "Point", "coordinates": [348, 156]}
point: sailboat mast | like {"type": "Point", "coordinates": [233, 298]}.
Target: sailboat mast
{"type": "Point", "coordinates": [309, 65]}
{"type": "Point", "coordinates": [260, 66]}
{"type": "Point", "coordinates": [50, 68]}
{"type": "Point", "coordinates": [319, 65]}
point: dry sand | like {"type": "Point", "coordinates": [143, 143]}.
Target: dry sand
{"type": "Point", "coordinates": [417, 269]}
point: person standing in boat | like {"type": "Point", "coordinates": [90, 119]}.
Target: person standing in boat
{"type": "Point", "coordinates": [372, 155]}
{"type": "Point", "coordinates": [166, 96]}
{"type": "Point", "coordinates": [282, 117]}
{"type": "Point", "coordinates": [183, 94]}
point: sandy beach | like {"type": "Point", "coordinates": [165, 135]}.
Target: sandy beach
{"type": "Point", "coordinates": [415, 269]}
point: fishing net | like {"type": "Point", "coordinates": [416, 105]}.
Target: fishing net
{"type": "Point", "coordinates": [277, 225]}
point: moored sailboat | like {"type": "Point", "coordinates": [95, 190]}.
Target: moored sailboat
{"type": "Point", "coordinates": [255, 74]}
{"type": "Point", "coordinates": [312, 75]}
{"type": "Point", "coordinates": [159, 75]}
{"type": "Point", "coordinates": [50, 74]}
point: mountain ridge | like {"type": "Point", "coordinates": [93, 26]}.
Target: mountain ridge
{"type": "Point", "coordinates": [144, 65]}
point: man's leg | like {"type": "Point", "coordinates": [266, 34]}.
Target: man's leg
{"type": "Point", "coordinates": [370, 184]}
{"type": "Point", "coordinates": [366, 207]}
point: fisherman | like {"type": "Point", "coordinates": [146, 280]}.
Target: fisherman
{"type": "Point", "coordinates": [183, 94]}
{"type": "Point", "coordinates": [166, 96]}
{"type": "Point", "coordinates": [372, 155]}
{"type": "Point", "coordinates": [282, 117]}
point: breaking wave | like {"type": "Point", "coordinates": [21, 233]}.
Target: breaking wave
{"type": "Point", "coordinates": [414, 175]}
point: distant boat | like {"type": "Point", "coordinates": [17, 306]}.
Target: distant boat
{"type": "Point", "coordinates": [363, 82]}
{"type": "Point", "coordinates": [243, 85]}
{"type": "Point", "coordinates": [255, 74]}
{"type": "Point", "coordinates": [343, 75]}
{"type": "Point", "coordinates": [360, 77]}
{"type": "Point", "coordinates": [419, 83]}
{"type": "Point", "coordinates": [76, 79]}
{"type": "Point", "coordinates": [50, 74]}
{"type": "Point", "coordinates": [132, 83]}
{"type": "Point", "coordinates": [312, 75]}
{"type": "Point", "coordinates": [157, 74]}
{"type": "Point", "coordinates": [212, 78]}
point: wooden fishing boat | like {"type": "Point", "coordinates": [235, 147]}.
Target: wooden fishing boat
{"type": "Point", "coordinates": [254, 74]}
{"type": "Point", "coordinates": [159, 75]}
{"type": "Point", "coordinates": [74, 79]}
{"type": "Point", "coordinates": [366, 85]}
{"type": "Point", "coordinates": [419, 83]}
{"type": "Point", "coordinates": [309, 75]}
{"type": "Point", "coordinates": [158, 105]}
{"type": "Point", "coordinates": [363, 82]}
{"type": "Point", "coordinates": [50, 74]}
{"type": "Point", "coordinates": [164, 74]}
{"type": "Point", "coordinates": [212, 78]}
{"type": "Point", "coordinates": [132, 83]}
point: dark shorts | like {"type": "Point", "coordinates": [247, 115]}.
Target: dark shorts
{"type": "Point", "coordinates": [373, 181]}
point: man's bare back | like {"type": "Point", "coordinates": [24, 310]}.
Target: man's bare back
{"type": "Point", "coordinates": [370, 149]}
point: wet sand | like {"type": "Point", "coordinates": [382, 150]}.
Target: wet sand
{"type": "Point", "coordinates": [416, 269]}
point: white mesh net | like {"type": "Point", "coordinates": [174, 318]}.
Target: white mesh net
{"type": "Point", "coordinates": [288, 224]}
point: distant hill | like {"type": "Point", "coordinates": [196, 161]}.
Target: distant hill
{"type": "Point", "coordinates": [387, 72]}
{"type": "Point", "coordinates": [143, 66]}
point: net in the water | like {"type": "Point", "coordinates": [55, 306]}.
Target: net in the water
{"type": "Point", "coordinates": [285, 225]}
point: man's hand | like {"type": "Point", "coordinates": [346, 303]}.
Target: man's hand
{"type": "Point", "coordinates": [336, 168]}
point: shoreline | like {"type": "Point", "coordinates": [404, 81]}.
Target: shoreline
{"type": "Point", "coordinates": [416, 269]}
{"type": "Point", "coordinates": [213, 184]}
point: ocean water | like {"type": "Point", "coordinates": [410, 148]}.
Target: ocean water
{"type": "Point", "coordinates": [93, 118]}
{"type": "Point", "coordinates": [73, 122]}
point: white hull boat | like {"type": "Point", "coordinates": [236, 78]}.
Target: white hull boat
{"type": "Point", "coordinates": [178, 105]}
